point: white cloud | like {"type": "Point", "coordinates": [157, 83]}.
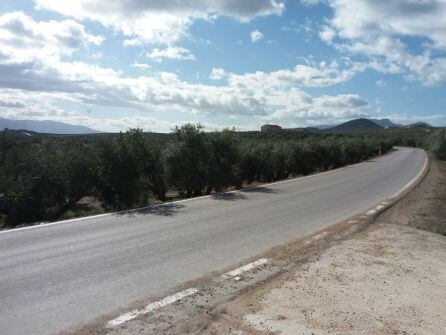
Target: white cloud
{"type": "Point", "coordinates": [381, 83]}
{"type": "Point", "coordinates": [302, 109]}
{"type": "Point", "coordinates": [310, 74]}
{"type": "Point", "coordinates": [378, 29]}
{"type": "Point", "coordinates": [176, 53]}
{"type": "Point", "coordinates": [327, 34]}
{"type": "Point", "coordinates": [256, 36]}
{"type": "Point", "coordinates": [40, 82]}
{"type": "Point", "coordinates": [23, 39]}
{"type": "Point", "coordinates": [368, 19]}
{"type": "Point", "coordinates": [159, 21]}
{"type": "Point", "coordinates": [42, 106]}
{"type": "Point", "coordinates": [311, 2]}
{"type": "Point", "coordinates": [137, 65]}
{"type": "Point", "coordinates": [217, 74]}
{"type": "Point", "coordinates": [253, 94]}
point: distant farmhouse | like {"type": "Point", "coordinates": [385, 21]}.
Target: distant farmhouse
{"type": "Point", "coordinates": [270, 127]}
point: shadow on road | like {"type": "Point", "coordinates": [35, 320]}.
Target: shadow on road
{"type": "Point", "coordinates": [229, 196]}
{"type": "Point", "coordinates": [162, 210]}
{"type": "Point", "coordinates": [261, 189]}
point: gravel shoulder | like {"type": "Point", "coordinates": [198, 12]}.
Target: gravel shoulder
{"type": "Point", "coordinates": [388, 279]}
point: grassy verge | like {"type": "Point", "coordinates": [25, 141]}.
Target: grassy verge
{"type": "Point", "coordinates": [441, 166]}
{"type": "Point", "coordinates": [81, 212]}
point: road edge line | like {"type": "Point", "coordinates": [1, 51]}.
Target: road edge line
{"type": "Point", "coordinates": [153, 306]}
{"type": "Point", "coordinates": [406, 189]}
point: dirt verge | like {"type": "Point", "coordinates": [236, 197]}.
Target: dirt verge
{"type": "Point", "coordinates": [388, 279]}
{"type": "Point", "coordinates": [352, 278]}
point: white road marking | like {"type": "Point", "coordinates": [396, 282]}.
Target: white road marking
{"type": "Point", "coordinates": [409, 184]}
{"type": "Point", "coordinates": [151, 307]}
{"type": "Point", "coordinates": [237, 272]}
{"type": "Point", "coordinates": [318, 236]}
{"type": "Point", "coordinates": [376, 209]}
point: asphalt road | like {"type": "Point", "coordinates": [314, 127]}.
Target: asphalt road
{"type": "Point", "coordinates": [61, 276]}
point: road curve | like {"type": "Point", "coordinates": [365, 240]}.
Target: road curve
{"type": "Point", "coordinates": [53, 278]}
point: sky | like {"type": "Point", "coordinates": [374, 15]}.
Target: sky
{"type": "Point", "coordinates": [118, 64]}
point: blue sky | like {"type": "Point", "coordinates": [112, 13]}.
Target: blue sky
{"type": "Point", "coordinates": [112, 65]}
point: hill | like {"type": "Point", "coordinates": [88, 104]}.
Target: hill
{"type": "Point", "coordinates": [386, 123]}
{"type": "Point", "coordinates": [52, 127]}
{"type": "Point", "coordinates": [419, 124]}
{"type": "Point", "coordinates": [356, 125]}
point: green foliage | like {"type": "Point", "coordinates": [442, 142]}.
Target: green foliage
{"type": "Point", "coordinates": [188, 160]}
{"type": "Point", "coordinates": [130, 170]}
{"type": "Point", "coordinates": [223, 165]}
{"type": "Point", "coordinates": [437, 144]}
{"type": "Point", "coordinates": [43, 178]}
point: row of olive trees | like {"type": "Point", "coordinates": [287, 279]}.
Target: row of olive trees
{"type": "Point", "coordinates": [41, 179]}
{"type": "Point", "coordinates": [436, 143]}
{"type": "Point", "coordinates": [199, 163]}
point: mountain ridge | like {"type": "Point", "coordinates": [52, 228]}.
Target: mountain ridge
{"type": "Point", "coordinates": [360, 124]}
{"type": "Point", "coordinates": [45, 126]}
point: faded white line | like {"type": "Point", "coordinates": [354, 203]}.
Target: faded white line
{"type": "Point", "coordinates": [318, 236]}
{"type": "Point", "coordinates": [151, 307]}
{"type": "Point", "coordinates": [247, 267]}
{"type": "Point", "coordinates": [408, 185]}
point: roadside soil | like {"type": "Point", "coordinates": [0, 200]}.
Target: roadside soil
{"type": "Point", "coordinates": [388, 279]}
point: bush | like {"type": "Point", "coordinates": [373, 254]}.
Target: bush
{"type": "Point", "coordinates": [130, 170]}
{"type": "Point", "coordinates": [188, 161]}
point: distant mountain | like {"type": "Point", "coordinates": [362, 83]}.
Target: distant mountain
{"type": "Point", "coordinates": [355, 125]}
{"type": "Point", "coordinates": [386, 123]}
{"type": "Point", "coordinates": [50, 127]}
{"type": "Point", "coordinates": [20, 133]}
{"type": "Point", "coordinates": [323, 126]}
{"type": "Point", "coordinates": [419, 124]}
